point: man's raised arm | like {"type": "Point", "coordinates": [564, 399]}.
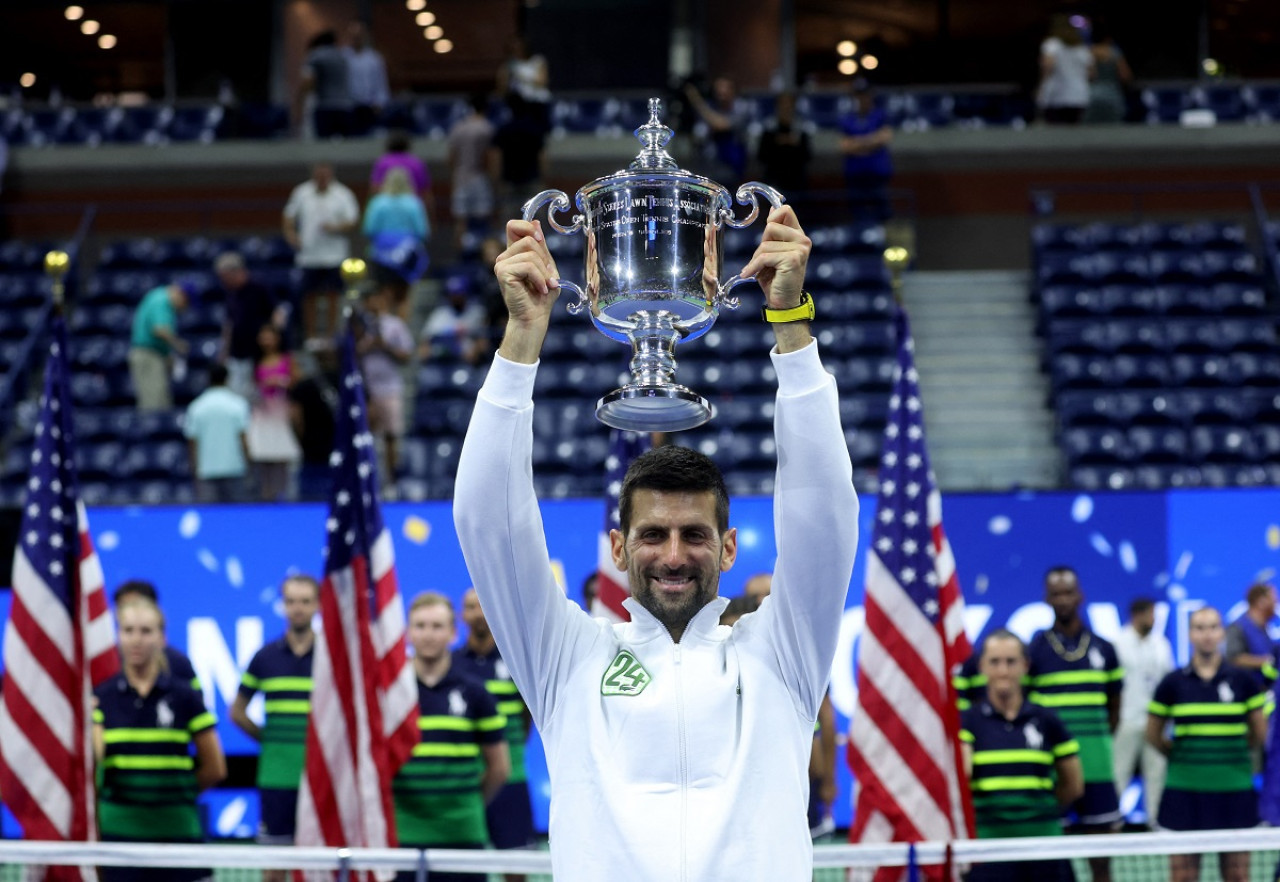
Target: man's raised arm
{"type": "Point", "coordinates": [495, 509]}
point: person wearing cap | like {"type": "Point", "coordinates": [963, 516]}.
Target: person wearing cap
{"type": "Point", "coordinates": [154, 341]}
{"type": "Point", "coordinates": [457, 329]}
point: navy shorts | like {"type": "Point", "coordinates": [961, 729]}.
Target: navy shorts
{"type": "Point", "coordinates": [510, 817]}
{"type": "Point", "coordinates": [1098, 810]}
{"type": "Point", "coordinates": [1191, 810]}
{"type": "Point", "coordinates": [279, 819]}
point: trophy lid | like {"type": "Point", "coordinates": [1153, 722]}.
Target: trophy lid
{"type": "Point", "coordinates": [654, 135]}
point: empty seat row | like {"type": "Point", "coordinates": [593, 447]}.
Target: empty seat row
{"type": "Point", "coordinates": [1161, 477]}
{"type": "Point", "coordinates": [194, 252]}
{"type": "Point", "coordinates": [1155, 268]}
{"type": "Point", "coordinates": [1162, 372]}
{"type": "Point", "coordinates": [1137, 336]}
{"type": "Point", "coordinates": [1172, 445]}
{"type": "Point", "coordinates": [1224, 298]}
{"type": "Point", "coordinates": [1189, 236]}
{"type": "Point", "coordinates": [1167, 407]}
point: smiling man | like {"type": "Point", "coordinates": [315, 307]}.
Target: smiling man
{"type": "Point", "coordinates": [678, 749]}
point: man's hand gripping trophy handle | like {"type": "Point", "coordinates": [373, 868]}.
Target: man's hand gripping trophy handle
{"type": "Point", "coordinates": [530, 284]}
{"type": "Point", "coordinates": [779, 266]}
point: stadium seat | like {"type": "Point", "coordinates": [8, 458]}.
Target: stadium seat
{"type": "Point", "coordinates": [1101, 477]}
{"type": "Point", "coordinates": [1248, 369]}
{"type": "Point", "coordinates": [1200, 370]}
{"type": "Point", "coordinates": [1223, 444]}
{"type": "Point", "coordinates": [1095, 446]}
{"type": "Point", "coordinates": [1157, 446]}
{"type": "Point", "coordinates": [1140, 372]}
{"type": "Point", "coordinates": [1227, 102]}
{"type": "Point", "coordinates": [1164, 105]}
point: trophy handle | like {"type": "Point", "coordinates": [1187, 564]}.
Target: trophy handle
{"type": "Point", "coordinates": [560, 202]}
{"type": "Point", "coordinates": [578, 305]}
{"type": "Point", "coordinates": [746, 195]}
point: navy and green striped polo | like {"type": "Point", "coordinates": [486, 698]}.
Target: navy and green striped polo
{"type": "Point", "coordinates": [1014, 769]}
{"type": "Point", "coordinates": [970, 685]}
{"type": "Point", "coordinates": [492, 671]}
{"type": "Point", "coordinates": [284, 679]}
{"type": "Point", "coordinates": [437, 792]}
{"type": "Point", "coordinates": [147, 782]}
{"type": "Point", "coordinates": [1210, 728]}
{"type": "Point", "coordinates": [1074, 677]}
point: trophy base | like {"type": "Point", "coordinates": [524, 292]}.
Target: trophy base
{"type": "Point", "coordinates": [653, 409]}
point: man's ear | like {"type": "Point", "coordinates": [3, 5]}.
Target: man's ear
{"type": "Point", "coordinates": [618, 548]}
{"type": "Point", "coordinates": [729, 549]}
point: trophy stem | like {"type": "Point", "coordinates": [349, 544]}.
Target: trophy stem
{"type": "Point", "coordinates": [654, 343]}
{"type": "Point", "coordinates": [653, 401]}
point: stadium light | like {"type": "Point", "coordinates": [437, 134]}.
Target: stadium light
{"type": "Point", "coordinates": [443, 46]}
{"type": "Point", "coordinates": [846, 48]}
{"type": "Point", "coordinates": [89, 27]}
{"type": "Point", "coordinates": [870, 62]}
{"type": "Point", "coordinates": [107, 41]}
{"type": "Point", "coordinates": [1211, 67]}
{"type": "Point", "coordinates": [435, 32]}
{"type": "Point", "coordinates": [415, 5]}
{"type": "Point", "coordinates": [425, 18]}
{"type": "Point", "coordinates": [74, 13]}
{"type": "Point", "coordinates": [848, 67]}
{"type": "Point", "coordinates": [27, 80]}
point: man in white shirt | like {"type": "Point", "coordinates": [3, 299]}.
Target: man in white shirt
{"type": "Point", "coordinates": [1146, 656]}
{"type": "Point", "coordinates": [678, 749]}
{"type": "Point", "coordinates": [318, 217]}
{"type": "Point", "coordinates": [366, 78]}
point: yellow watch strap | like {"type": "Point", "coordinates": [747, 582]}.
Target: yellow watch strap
{"type": "Point", "coordinates": [802, 313]}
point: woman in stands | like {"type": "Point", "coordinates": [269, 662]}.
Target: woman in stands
{"type": "Point", "coordinates": [273, 448]}
{"type": "Point", "coordinates": [144, 727]}
{"type": "Point", "coordinates": [396, 224]}
{"type": "Point", "coordinates": [1066, 66]}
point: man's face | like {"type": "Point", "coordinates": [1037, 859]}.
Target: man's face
{"type": "Point", "coordinates": [141, 635]}
{"type": "Point", "coordinates": [1268, 603]}
{"type": "Point", "coordinates": [300, 604]}
{"type": "Point", "coordinates": [1206, 631]}
{"type": "Point", "coordinates": [674, 553]}
{"type": "Point", "coordinates": [1144, 620]}
{"type": "Point", "coordinates": [431, 631]}
{"type": "Point", "coordinates": [322, 175]}
{"type": "Point", "coordinates": [1003, 664]}
{"type": "Point", "coordinates": [1062, 592]}
{"type": "Point", "coordinates": [233, 279]}
{"type": "Point", "coordinates": [473, 615]}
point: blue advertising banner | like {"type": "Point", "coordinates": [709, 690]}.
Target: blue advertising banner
{"type": "Point", "coordinates": [218, 570]}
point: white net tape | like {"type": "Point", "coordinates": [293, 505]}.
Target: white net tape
{"type": "Point", "coordinates": [829, 860]}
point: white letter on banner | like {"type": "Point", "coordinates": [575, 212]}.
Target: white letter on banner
{"type": "Point", "coordinates": [975, 619]}
{"type": "Point", "coordinates": [1104, 620]}
{"type": "Point", "coordinates": [844, 684]}
{"type": "Point", "coordinates": [218, 672]}
{"type": "Point", "coordinates": [1029, 618]}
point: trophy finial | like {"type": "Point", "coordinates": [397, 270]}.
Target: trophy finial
{"type": "Point", "coordinates": [654, 136]}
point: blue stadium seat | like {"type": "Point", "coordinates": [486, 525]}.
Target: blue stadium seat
{"type": "Point", "coordinates": [1266, 440]}
{"type": "Point", "coordinates": [1231, 298]}
{"type": "Point", "coordinates": [1138, 372]}
{"type": "Point", "coordinates": [1248, 369]}
{"type": "Point", "coordinates": [1227, 102]}
{"type": "Point", "coordinates": [1200, 371]}
{"type": "Point", "coordinates": [1047, 237]}
{"type": "Point", "coordinates": [1157, 446]}
{"type": "Point", "coordinates": [931, 110]}
{"type": "Point", "coordinates": [1223, 444]}
{"type": "Point", "coordinates": [1130, 300]}
{"type": "Point", "coordinates": [850, 238]}
{"type": "Point", "coordinates": [1216, 408]}
{"type": "Point", "coordinates": [1071, 301]}
{"type": "Point", "coordinates": [1066, 269]}
{"type": "Point", "coordinates": [101, 462]}
{"type": "Point", "coordinates": [141, 125]}
{"type": "Point", "coordinates": [1080, 409]}
{"type": "Point", "coordinates": [257, 119]}
{"type": "Point", "coordinates": [1096, 446]}
{"type": "Point", "coordinates": [1101, 477]}
{"type": "Point", "coordinates": [1164, 105]}
{"type": "Point", "coordinates": [747, 412]}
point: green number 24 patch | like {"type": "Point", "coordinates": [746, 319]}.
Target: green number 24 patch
{"type": "Point", "coordinates": [625, 676]}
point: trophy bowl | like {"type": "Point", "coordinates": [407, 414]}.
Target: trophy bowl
{"type": "Point", "coordinates": [653, 255]}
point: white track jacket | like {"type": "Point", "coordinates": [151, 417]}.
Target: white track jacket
{"type": "Point", "coordinates": [669, 762]}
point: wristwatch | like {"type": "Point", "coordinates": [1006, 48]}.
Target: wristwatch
{"type": "Point", "coordinates": [802, 313]}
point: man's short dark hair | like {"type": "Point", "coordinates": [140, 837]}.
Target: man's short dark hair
{"type": "Point", "coordinates": [1004, 634]}
{"type": "Point", "coordinates": [1140, 605]}
{"type": "Point", "coordinates": [1061, 569]}
{"type": "Point", "coordinates": [136, 586]}
{"type": "Point", "coordinates": [218, 375]}
{"type": "Point", "coordinates": [1257, 591]}
{"type": "Point", "coordinates": [398, 141]}
{"type": "Point", "coordinates": [674, 470]}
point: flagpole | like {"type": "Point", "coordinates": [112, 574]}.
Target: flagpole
{"type": "Point", "coordinates": [56, 266]}
{"type": "Point", "coordinates": [896, 258]}
{"type": "Point", "coordinates": [353, 272]}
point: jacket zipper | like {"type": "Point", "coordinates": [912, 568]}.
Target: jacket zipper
{"type": "Point", "coordinates": [684, 767]}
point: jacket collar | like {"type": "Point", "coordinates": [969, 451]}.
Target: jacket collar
{"type": "Point", "coordinates": [704, 622]}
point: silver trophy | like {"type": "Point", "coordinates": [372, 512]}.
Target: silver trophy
{"type": "Point", "coordinates": [654, 238]}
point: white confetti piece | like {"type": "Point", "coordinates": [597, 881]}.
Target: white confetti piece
{"type": "Point", "coordinates": [1082, 509]}
{"type": "Point", "coordinates": [189, 526]}
{"type": "Point", "coordinates": [1100, 544]}
{"type": "Point", "coordinates": [1128, 557]}
{"type": "Point", "coordinates": [999, 525]}
{"type": "Point", "coordinates": [207, 560]}
{"type": "Point", "coordinates": [108, 541]}
{"type": "Point", "coordinates": [235, 572]}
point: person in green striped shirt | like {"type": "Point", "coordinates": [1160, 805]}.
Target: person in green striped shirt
{"type": "Point", "coordinates": [1022, 763]}
{"type": "Point", "coordinates": [461, 760]}
{"type": "Point", "coordinates": [1215, 714]}
{"type": "Point", "coordinates": [281, 671]}
{"type": "Point", "coordinates": [145, 723]}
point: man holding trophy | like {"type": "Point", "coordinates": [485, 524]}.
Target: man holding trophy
{"type": "Point", "coordinates": [678, 749]}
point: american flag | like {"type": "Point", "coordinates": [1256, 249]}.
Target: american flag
{"type": "Point", "coordinates": [59, 641]}
{"type": "Point", "coordinates": [364, 697]}
{"type": "Point", "coordinates": [611, 583]}
{"type": "Point", "coordinates": [904, 745]}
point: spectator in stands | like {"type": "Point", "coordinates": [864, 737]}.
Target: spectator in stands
{"type": "Point", "coordinates": [785, 150]}
{"type": "Point", "coordinates": [175, 660]}
{"type": "Point", "coordinates": [757, 588]}
{"type": "Point", "coordinates": [395, 223]}
{"type": "Point", "coordinates": [510, 813]}
{"type": "Point", "coordinates": [384, 344]}
{"type": "Point", "coordinates": [272, 446]}
{"type": "Point", "coordinates": [525, 74]}
{"type": "Point", "coordinates": [822, 771]}
{"type": "Point", "coordinates": [722, 128]}
{"type": "Point", "coordinates": [1218, 711]}
{"type": "Point", "coordinates": [313, 401]}
{"type": "Point", "coordinates": [1022, 763]}
{"type": "Point", "coordinates": [216, 426]}
{"type": "Point", "coordinates": [589, 591]}
{"type": "Point", "coordinates": [1249, 643]}
{"type": "Point", "coordinates": [319, 215]}
{"type": "Point", "coordinates": [155, 341]}
{"type": "Point", "coordinates": [737, 608]}
{"type": "Point", "coordinates": [398, 153]}
{"type": "Point", "coordinates": [151, 795]}
{"type": "Point", "coordinates": [326, 86]}
{"type": "Point", "coordinates": [868, 167]}
{"type": "Point", "coordinates": [366, 79]}
{"type": "Point", "coordinates": [249, 305]}
{"type": "Point", "coordinates": [281, 671]}
{"type": "Point", "coordinates": [1146, 656]}
{"type": "Point", "coordinates": [457, 329]}
{"type": "Point", "coordinates": [469, 142]}
{"type": "Point", "coordinates": [519, 154]}
{"type": "Point", "coordinates": [1066, 65]}
{"type": "Point", "coordinates": [1111, 77]}
{"type": "Point", "coordinates": [441, 792]}
{"type": "Point", "coordinates": [1077, 673]}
